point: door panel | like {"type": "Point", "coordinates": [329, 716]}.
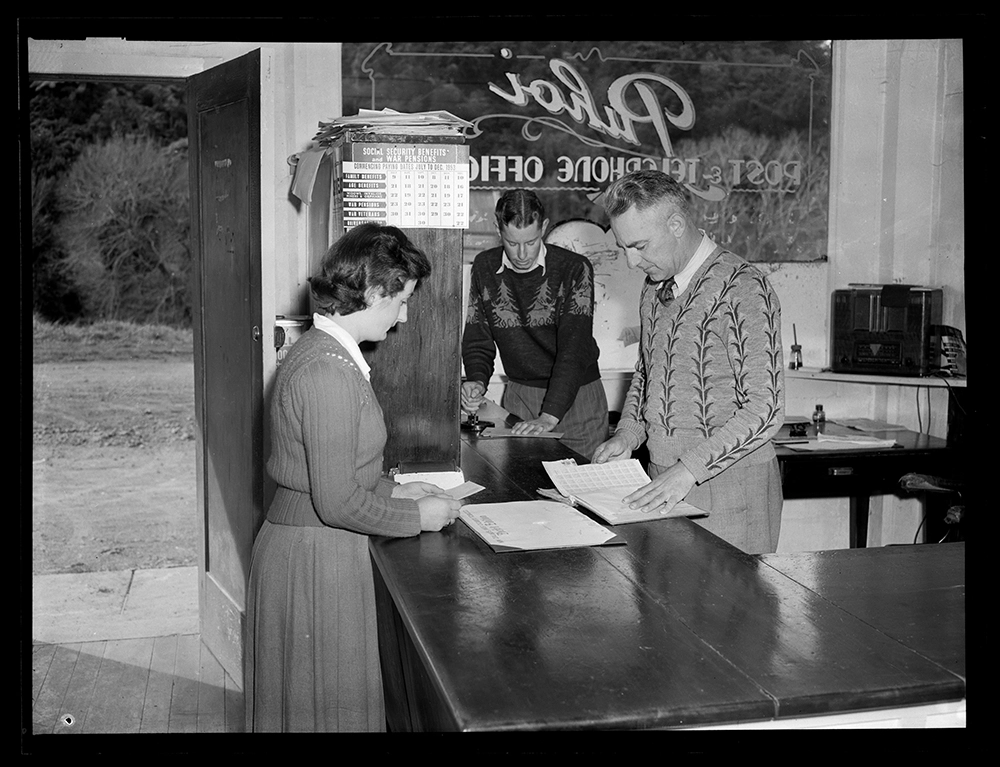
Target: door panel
{"type": "Point", "coordinates": [224, 140]}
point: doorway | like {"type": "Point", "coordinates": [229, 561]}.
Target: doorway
{"type": "Point", "coordinates": [113, 459]}
{"type": "Point", "coordinates": [219, 691]}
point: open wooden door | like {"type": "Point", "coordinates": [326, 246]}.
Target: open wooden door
{"type": "Point", "coordinates": [224, 140]}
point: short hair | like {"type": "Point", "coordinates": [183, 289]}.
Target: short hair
{"type": "Point", "coordinates": [643, 188]}
{"type": "Point", "coordinates": [520, 207]}
{"type": "Point", "coordinates": [368, 256]}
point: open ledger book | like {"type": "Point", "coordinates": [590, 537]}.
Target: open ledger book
{"type": "Point", "coordinates": [600, 487]}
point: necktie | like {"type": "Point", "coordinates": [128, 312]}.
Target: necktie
{"type": "Point", "coordinates": [666, 291]}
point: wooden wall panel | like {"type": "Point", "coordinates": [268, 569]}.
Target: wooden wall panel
{"type": "Point", "coordinates": [416, 370]}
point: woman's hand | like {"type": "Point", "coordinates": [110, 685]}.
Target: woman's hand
{"type": "Point", "coordinates": [415, 490]}
{"type": "Point", "coordinates": [437, 511]}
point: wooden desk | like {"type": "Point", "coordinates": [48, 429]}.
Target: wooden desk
{"type": "Point", "coordinates": [860, 474]}
{"type": "Point", "coordinates": [675, 629]}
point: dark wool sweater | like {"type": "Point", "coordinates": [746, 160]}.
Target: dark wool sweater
{"type": "Point", "coordinates": [541, 323]}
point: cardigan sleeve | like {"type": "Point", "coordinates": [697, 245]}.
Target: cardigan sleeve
{"type": "Point", "coordinates": [752, 340]}
{"type": "Point", "coordinates": [574, 341]}
{"type": "Point", "coordinates": [478, 345]}
{"type": "Point", "coordinates": [330, 404]}
{"type": "Point", "coordinates": [632, 421]}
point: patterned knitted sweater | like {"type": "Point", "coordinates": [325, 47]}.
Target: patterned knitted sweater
{"type": "Point", "coordinates": [708, 388]}
{"type": "Point", "coordinates": [327, 437]}
{"type": "Point", "coordinates": [543, 325]}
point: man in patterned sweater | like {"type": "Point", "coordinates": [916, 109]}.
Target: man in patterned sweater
{"type": "Point", "coordinates": [708, 390]}
{"type": "Point", "coordinates": [535, 303]}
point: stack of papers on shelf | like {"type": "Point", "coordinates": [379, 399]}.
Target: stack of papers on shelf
{"type": "Point", "coordinates": [600, 487]}
{"type": "Point", "coordinates": [863, 440]}
{"type": "Point", "coordinates": [534, 525]}
{"type": "Point", "coordinates": [389, 122]}
{"type": "Point", "coordinates": [868, 424]}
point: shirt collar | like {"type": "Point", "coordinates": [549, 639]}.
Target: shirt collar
{"type": "Point", "coordinates": [704, 250]}
{"type": "Point", "coordinates": [331, 327]}
{"type": "Point", "coordinates": [506, 264]}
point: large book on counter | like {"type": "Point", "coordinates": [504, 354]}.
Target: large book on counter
{"type": "Point", "coordinates": [600, 488]}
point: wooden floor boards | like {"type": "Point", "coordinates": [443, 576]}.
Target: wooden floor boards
{"type": "Point", "coordinates": [169, 684]}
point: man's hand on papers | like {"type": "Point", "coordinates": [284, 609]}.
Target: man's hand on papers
{"type": "Point", "coordinates": [544, 423]}
{"type": "Point", "coordinates": [663, 493]}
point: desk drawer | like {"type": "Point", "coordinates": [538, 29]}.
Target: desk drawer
{"type": "Point", "coordinates": [829, 475]}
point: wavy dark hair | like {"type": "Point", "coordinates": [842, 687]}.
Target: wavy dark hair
{"type": "Point", "coordinates": [368, 256]}
{"type": "Point", "coordinates": [642, 189]}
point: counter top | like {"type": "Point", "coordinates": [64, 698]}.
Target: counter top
{"type": "Point", "coordinates": [676, 628]}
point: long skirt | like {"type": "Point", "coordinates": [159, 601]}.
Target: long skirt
{"type": "Point", "coordinates": [311, 661]}
{"type": "Point", "coordinates": [744, 505]}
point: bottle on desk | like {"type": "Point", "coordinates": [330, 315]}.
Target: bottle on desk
{"type": "Point", "coordinates": [795, 361]}
{"type": "Point", "coordinates": [819, 419]}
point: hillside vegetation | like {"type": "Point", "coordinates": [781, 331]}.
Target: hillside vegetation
{"type": "Point", "coordinates": [106, 340]}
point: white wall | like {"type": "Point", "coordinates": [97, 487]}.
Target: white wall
{"type": "Point", "coordinates": [897, 214]}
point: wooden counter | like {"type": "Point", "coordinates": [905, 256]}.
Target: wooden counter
{"type": "Point", "coordinates": [915, 594]}
{"type": "Point", "coordinates": [674, 629]}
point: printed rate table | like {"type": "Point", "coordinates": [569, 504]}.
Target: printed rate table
{"type": "Point", "coordinates": [407, 185]}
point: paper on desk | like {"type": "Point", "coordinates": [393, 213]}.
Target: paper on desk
{"type": "Point", "coordinates": [840, 442]}
{"type": "Point", "coordinates": [571, 479]}
{"type": "Point", "coordinates": [547, 492]}
{"type": "Point", "coordinates": [868, 424]}
{"type": "Point", "coordinates": [533, 525]}
{"type": "Point", "coordinates": [502, 431]}
{"type": "Point", "coordinates": [491, 411]}
{"type": "Point", "coordinates": [443, 479]}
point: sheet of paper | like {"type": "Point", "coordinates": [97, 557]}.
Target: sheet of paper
{"type": "Point", "coordinates": [837, 442]}
{"type": "Point", "coordinates": [443, 479]}
{"type": "Point", "coordinates": [503, 431]}
{"type": "Point", "coordinates": [547, 492]}
{"type": "Point", "coordinates": [533, 525]}
{"type": "Point", "coordinates": [464, 490]}
{"type": "Point", "coordinates": [868, 424]}
{"type": "Point", "coordinates": [571, 478]}
{"type": "Point", "coordinates": [305, 173]}
{"type": "Point", "coordinates": [864, 440]}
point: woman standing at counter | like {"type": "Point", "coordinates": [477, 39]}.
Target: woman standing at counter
{"type": "Point", "coordinates": [311, 658]}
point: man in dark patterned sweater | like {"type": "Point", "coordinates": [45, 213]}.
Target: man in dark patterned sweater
{"type": "Point", "coordinates": [708, 390]}
{"type": "Point", "coordinates": [535, 303]}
